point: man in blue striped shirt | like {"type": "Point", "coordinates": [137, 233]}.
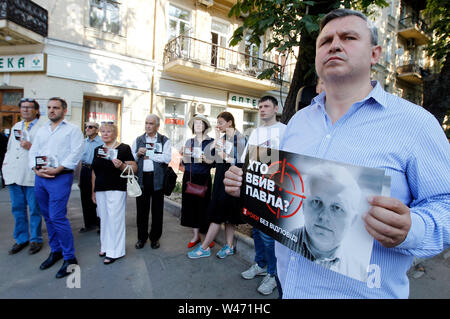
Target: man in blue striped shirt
{"type": "Point", "coordinates": [355, 121]}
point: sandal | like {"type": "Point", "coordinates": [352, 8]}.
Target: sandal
{"type": "Point", "coordinates": [109, 260]}
{"type": "Point", "coordinates": [102, 254]}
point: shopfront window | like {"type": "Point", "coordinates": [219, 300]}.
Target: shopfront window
{"type": "Point", "coordinates": [175, 123]}
{"type": "Point", "coordinates": [9, 108]}
{"type": "Point", "coordinates": [250, 122]}
{"type": "Point", "coordinates": [101, 110]}
{"type": "Point", "coordinates": [215, 110]}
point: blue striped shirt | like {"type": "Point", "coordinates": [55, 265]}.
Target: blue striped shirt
{"type": "Point", "coordinates": [387, 132]}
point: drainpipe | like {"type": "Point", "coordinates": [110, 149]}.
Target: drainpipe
{"type": "Point", "coordinates": [153, 57]}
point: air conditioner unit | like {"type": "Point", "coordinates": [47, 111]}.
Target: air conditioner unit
{"type": "Point", "coordinates": [201, 108]}
{"type": "Point", "coordinates": [207, 3]}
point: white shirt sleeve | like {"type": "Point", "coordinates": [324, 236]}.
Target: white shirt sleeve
{"type": "Point", "coordinates": [76, 149]}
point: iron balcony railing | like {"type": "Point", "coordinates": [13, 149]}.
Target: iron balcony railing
{"type": "Point", "coordinates": [210, 54]}
{"type": "Point", "coordinates": [413, 21]}
{"type": "Point", "coordinates": [26, 14]}
{"type": "Point", "coordinates": [409, 68]}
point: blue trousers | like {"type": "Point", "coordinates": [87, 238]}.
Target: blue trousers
{"type": "Point", "coordinates": [21, 197]}
{"type": "Point", "coordinates": [265, 251]}
{"type": "Point", "coordinates": [52, 195]}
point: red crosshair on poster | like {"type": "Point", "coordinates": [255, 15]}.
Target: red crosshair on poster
{"type": "Point", "coordinates": [286, 184]}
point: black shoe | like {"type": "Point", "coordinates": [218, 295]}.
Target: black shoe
{"type": "Point", "coordinates": [17, 247]}
{"type": "Point", "coordinates": [86, 229]}
{"type": "Point", "coordinates": [62, 272]}
{"type": "Point", "coordinates": [155, 244]}
{"type": "Point", "coordinates": [34, 248]}
{"type": "Point", "coordinates": [140, 244]}
{"type": "Point", "coordinates": [51, 260]}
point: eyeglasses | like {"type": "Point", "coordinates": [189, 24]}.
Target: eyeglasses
{"type": "Point", "coordinates": [90, 126]}
{"type": "Point", "coordinates": [27, 107]}
{"type": "Point", "coordinates": [107, 122]}
{"type": "Point", "coordinates": [26, 99]}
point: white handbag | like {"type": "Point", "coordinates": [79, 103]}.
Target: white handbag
{"type": "Point", "coordinates": [133, 188]}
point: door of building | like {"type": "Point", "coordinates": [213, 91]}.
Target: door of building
{"type": "Point", "coordinates": [9, 108]}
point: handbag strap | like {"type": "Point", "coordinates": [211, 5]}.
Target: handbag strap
{"type": "Point", "coordinates": [127, 170]}
{"type": "Point", "coordinates": [192, 152]}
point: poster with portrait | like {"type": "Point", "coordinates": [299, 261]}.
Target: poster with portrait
{"type": "Point", "coordinates": [313, 206]}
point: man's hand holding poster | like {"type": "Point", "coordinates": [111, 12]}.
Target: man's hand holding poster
{"type": "Point", "coordinates": [313, 206]}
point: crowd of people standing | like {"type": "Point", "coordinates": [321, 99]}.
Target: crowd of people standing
{"type": "Point", "coordinates": [51, 152]}
{"type": "Point", "coordinates": [352, 121]}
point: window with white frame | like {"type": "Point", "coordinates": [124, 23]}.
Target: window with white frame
{"type": "Point", "coordinates": [105, 15]}
{"type": "Point", "coordinates": [252, 54]}
{"type": "Point", "coordinates": [179, 22]}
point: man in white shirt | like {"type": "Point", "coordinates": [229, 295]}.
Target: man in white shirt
{"type": "Point", "coordinates": [55, 153]}
{"type": "Point", "coordinates": [268, 135]}
{"type": "Point", "coordinates": [152, 152]}
{"type": "Point", "coordinates": [20, 179]}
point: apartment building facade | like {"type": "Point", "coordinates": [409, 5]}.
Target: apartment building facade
{"type": "Point", "coordinates": [120, 60]}
{"type": "Point", "coordinates": [403, 33]}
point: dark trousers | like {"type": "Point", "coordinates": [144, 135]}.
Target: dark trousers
{"type": "Point", "coordinates": [143, 210]}
{"type": "Point", "coordinates": [89, 208]}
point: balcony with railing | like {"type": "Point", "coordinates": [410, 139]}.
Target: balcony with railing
{"type": "Point", "coordinates": [415, 28]}
{"type": "Point", "coordinates": [189, 57]}
{"type": "Point", "coordinates": [411, 73]}
{"type": "Point", "coordinates": [22, 22]}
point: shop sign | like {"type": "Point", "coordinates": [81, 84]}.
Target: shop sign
{"type": "Point", "coordinates": [174, 121]}
{"type": "Point", "coordinates": [100, 116]}
{"type": "Point", "coordinates": [22, 63]}
{"type": "Point", "coordinates": [235, 99]}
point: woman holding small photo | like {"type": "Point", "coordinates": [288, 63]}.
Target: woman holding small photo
{"type": "Point", "coordinates": [228, 150]}
{"type": "Point", "coordinates": [197, 164]}
{"type": "Point", "coordinates": [110, 191]}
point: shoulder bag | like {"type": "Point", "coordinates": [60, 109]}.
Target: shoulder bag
{"type": "Point", "coordinates": [195, 189]}
{"type": "Point", "coordinates": [133, 188]}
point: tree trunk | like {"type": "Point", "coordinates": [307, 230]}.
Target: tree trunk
{"type": "Point", "coordinates": [305, 63]}
{"type": "Point", "coordinates": [436, 92]}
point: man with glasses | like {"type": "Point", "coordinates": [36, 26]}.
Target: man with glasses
{"type": "Point", "coordinates": [20, 179]}
{"type": "Point", "coordinates": [56, 151]}
{"type": "Point", "coordinates": [92, 141]}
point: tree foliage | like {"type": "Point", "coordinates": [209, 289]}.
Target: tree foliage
{"type": "Point", "coordinates": [436, 97]}
{"type": "Point", "coordinates": [292, 26]}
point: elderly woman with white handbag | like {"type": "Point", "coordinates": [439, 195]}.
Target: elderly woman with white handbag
{"type": "Point", "coordinates": [110, 191]}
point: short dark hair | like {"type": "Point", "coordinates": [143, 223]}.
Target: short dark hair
{"type": "Point", "coordinates": [29, 100]}
{"type": "Point", "coordinates": [227, 116]}
{"type": "Point", "coordinates": [269, 98]}
{"type": "Point", "coordinates": [340, 13]}
{"type": "Point", "coordinates": [62, 101]}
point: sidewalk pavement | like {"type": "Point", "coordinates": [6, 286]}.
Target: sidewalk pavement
{"type": "Point", "coordinates": [164, 273]}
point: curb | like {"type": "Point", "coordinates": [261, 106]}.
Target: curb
{"type": "Point", "coordinates": [245, 247]}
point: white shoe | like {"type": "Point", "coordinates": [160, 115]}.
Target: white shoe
{"type": "Point", "coordinates": [254, 271]}
{"type": "Point", "coordinates": [268, 284]}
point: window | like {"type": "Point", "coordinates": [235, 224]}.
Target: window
{"type": "Point", "coordinates": [174, 122]}
{"type": "Point", "coordinates": [102, 110]}
{"type": "Point", "coordinates": [179, 22]}
{"type": "Point", "coordinates": [250, 122]}
{"type": "Point", "coordinates": [105, 15]}
{"type": "Point", "coordinates": [252, 54]}
{"type": "Point", "coordinates": [219, 32]}
{"type": "Point", "coordinates": [388, 56]}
